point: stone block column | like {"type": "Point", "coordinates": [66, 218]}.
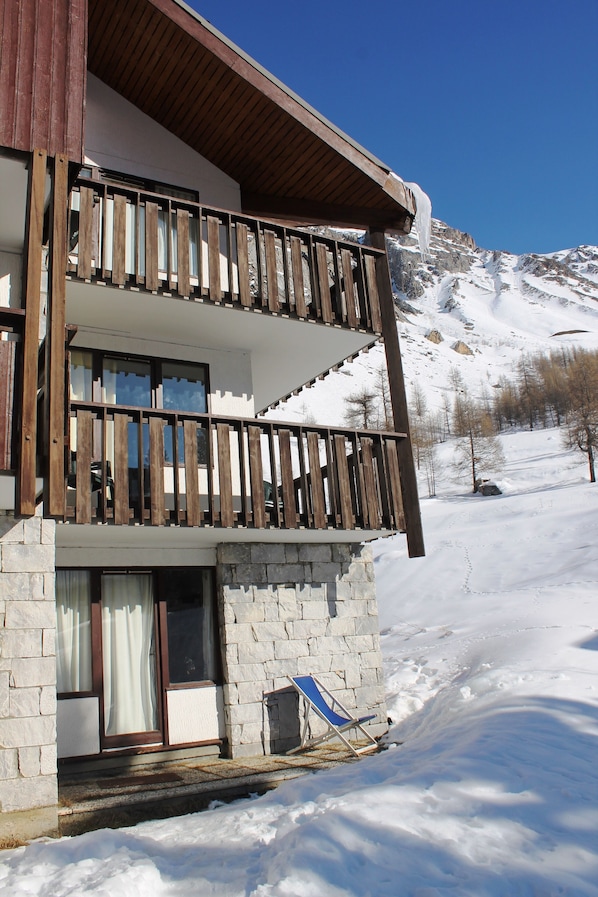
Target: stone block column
{"type": "Point", "coordinates": [28, 777]}
{"type": "Point", "coordinates": [288, 610]}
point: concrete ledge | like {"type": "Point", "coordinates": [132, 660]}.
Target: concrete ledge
{"type": "Point", "coordinates": [25, 825]}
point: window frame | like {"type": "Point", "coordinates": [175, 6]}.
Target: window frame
{"type": "Point", "coordinates": [163, 685]}
{"type": "Point", "coordinates": [156, 378]}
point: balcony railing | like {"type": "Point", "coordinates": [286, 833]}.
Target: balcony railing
{"type": "Point", "coordinates": [127, 237]}
{"type": "Point", "coordinates": [145, 466]}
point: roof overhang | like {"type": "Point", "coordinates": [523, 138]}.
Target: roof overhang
{"type": "Point", "coordinates": [289, 161]}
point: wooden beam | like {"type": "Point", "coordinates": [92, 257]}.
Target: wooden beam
{"type": "Point", "coordinates": [55, 342]}
{"type": "Point", "coordinates": [304, 211]}
{"type": "Point", "coordinates": [34, 224]}
{"type": "Point", "coordinates": [394, 363]}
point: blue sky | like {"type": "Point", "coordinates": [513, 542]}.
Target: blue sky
{"type": "Point", "coordinates": [492, 107]}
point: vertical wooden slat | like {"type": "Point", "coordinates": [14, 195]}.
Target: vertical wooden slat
{"type": "Point", "coordinates": [344, 485]}
{"type": "Point", "coordinates": [225, 475]}
{"type": "Point", "coordinates": [256, 476]}
{"type": "Point", "coordinates": [243, 264]}
{"type": "Point", "coordinates": [349, 287]}
{"type": "Point", "coordinates": [271, 270]}
{"type": "Point", "coordinates": [119, 239]}
{"type": "Point", "coordinates": [371, 500]}
{"type": "Point", "coordinates": [151, 246]}
{"type": "Point", "coordinates": [286, 475]}
{"type": "Point", "coordinates": [83, 474]}
{"type": "Point", "coordinates": [374, 299]}
{"type": "Point", "coordinates": [85, 246]}
{"type": "Point", "coordinates": [297, 269]}
{"type": "Point", "coordinates": [380, 473]}
{"type": "Point", "coordinates": [182, 217]}
{"type": "Point", "coordinates": [324, 283]}
{"type": "Point", "coordinates": [214, 258]}
{"type": "Point", "coordinates": [55, 342]}
{"type": "Point", "coordinates": [156, 434]}
{"type": "Point", "coordinates": [191, 473]}
{"type": "Point", "coordinates": [25, 499]}
{"type": "Point", "coordinates": [7, 388]}
{"type": "Point", "coordinates": [120, 473]}
{"type": "Point", "coordinates": [317, 485]}
{"type": "Point", "coordinates": [394, 478]}
{"type": "Point", "coordinates": [359, 278]}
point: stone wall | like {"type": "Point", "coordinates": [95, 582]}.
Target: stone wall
{"type": "Point", "coordinates": [28, 779]}
{"type": "Point", "coordinates": [290, 610]}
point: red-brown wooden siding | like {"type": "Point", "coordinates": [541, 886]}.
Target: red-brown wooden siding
{"type": "Point", "coordinates": [43, 48]}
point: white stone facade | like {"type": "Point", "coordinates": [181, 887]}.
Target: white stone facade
{"type": "Point", "coordinates": [28, 778]}
{"type": "Point", "coordinates": [295, 609]}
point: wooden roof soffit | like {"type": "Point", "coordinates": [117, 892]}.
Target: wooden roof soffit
{"type": "Point", "coordinates": [288, 159]}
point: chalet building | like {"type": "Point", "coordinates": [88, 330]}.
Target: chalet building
{"type": "Point", "coordinates": [168, 556]}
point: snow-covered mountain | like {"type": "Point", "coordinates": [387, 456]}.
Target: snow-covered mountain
{"type": "Point", "coordinates": [470, 310]}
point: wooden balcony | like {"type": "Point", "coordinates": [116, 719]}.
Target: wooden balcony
{"type": "Point", "coordinates": [123, 237]}
{"type": "Point", "coordinates": [151, 467]}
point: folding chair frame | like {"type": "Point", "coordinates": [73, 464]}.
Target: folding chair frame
{"type": "Point", "coordinates": [333, 731]}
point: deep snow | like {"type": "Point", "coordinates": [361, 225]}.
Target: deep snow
{"type": "Point", "coordinates": [491, 656]}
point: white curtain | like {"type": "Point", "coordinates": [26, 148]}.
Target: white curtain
{"type": "Point", "coordinates": [129, 657]}
{"type": "Point", "coordinates": [73, 631]}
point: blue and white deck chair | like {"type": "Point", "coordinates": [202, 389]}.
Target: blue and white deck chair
{"type": "Point", "coordinates": [316, 697]}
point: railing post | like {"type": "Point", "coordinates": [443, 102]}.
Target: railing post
{"type": "Point", "coordinates": [25, 503]}
{"type": "Point", "coordinates": [415, 538]}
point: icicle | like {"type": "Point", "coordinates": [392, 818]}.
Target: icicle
{"type": "Point", "coordinates": [423, 218]}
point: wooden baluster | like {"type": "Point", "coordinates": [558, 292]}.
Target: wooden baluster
{"type": "Point", "coordinates": [317, 486]}
{"type": "Point", "coordinates": [83, 475]}
{"type": "Point", "coordinates": [243, 264]}
{"type": "Point", "coordinates": [369, 482]}
{"type": "Point", "coordinates": [344, 484]}
{"type": "Point", "coordinates": [151, 246]}
{"type": "Point", "coordinates": [392, 460]}
{"type": "Point", "coordinates": [381, 477]}
{"type": "Point", "coordinates": [297, 270]}
{"type": "Point", "coordinates": [156, 433]}
{"type": "Point", "coordinates": [85, 233]}
{"type": "Point", "coordinates": [271, 270]}
{"type": "Point", "coordinates": [194, 515]}
{"type": "Point", "coordinates": [324, 283]}
{"type": "Point", "coordinates": [372, 283]}
{"type": "Point", "coordinates": [119, 240]}
{"type": "Point", "coordinates": [225, 475]}
{"type": "Point", "coordinates": [214, 258]}
{"type": "Point", "coordinates": [256, 475]}
{"type": "Point", "coordinates": [182, 231]}
{"type": "Point", "coordinates": [346, 258]}
{"type": "Point", "coordinates": [120, 474]}
{"type": "Point", "coordinates": [286, 474]}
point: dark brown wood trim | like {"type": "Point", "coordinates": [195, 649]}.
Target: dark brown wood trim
{"type": "Point", "coordinates": [25, 497]}
{"type": "Point", "coordinates": [415, 537]}
{"type": "Point", "coordinates": [55, 342]}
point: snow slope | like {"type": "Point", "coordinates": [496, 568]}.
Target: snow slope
{"type": "Point", "coordinates": [491, 654]}
{"type": "Point", "coordinates": [499, 305]}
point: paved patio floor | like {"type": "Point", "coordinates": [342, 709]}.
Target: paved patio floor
{"type": "Point", "coordinates": [115, 798]}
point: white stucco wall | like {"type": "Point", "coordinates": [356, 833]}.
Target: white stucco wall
{"type": "Point", "coordinates": [120, 137]}
{"type": "Point", "coordinates": [229, 369]}
{"type": "Point", "coordinates": [10, 279]}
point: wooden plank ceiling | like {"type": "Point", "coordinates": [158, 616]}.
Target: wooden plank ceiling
{"type": "Point", "coordinates": [289, 161]}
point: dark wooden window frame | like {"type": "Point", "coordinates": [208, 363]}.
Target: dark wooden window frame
{"type": "Point", "coordinates": [155, 362]}
{"type": "Point", "coordinates": [163, 685]}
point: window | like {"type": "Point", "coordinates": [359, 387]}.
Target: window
{"type": "Point", "coordinates": [129, 636]}
{"type": "Point", "coordinates": [138, 382]}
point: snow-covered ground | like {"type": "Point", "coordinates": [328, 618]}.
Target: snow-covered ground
{"type": "Point", "coordinates": [490, 783]}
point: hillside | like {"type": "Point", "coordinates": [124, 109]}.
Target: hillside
{"type": "Point", "coordinates": [490, 305]}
